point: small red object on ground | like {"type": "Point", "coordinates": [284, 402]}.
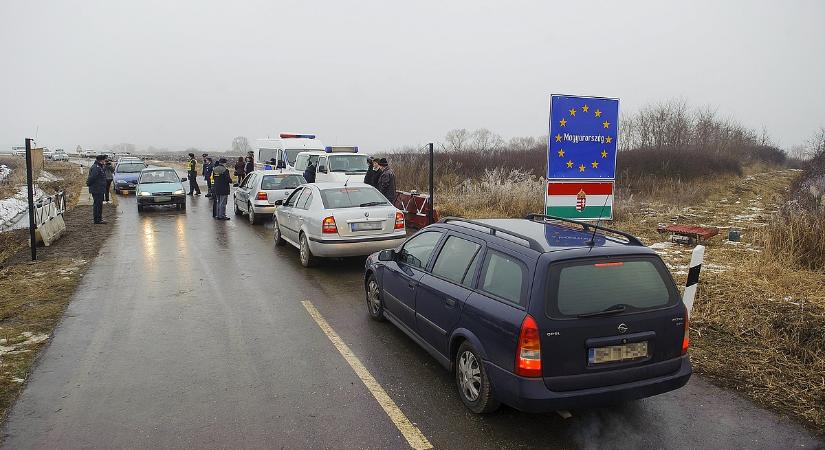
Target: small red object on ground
{"type": "Point", "coordinates": [695, 234]}
{"type": "Point", "coordinates": [416, 207]}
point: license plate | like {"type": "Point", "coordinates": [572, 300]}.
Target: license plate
{"type": "Point", "coordinates": [615, 353]}
{"type": "Point", "coordinates": [163, 199]}
{"type": "Point", "coordinates": [366, 226]}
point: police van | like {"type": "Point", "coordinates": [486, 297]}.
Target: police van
{"type": "Point", "coordinates": [284, 150]}
{"type": "Point", "coordinates": [334, 164]}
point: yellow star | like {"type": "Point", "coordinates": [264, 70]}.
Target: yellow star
{"type": "Point", "coordinates": [595, 164]}
{"type": "Point", "coordinates": [585, 108]}
{"type": "Point", "coordinates": [581, 168]}
{"type": "Point", "coordinates": [608, 139]}
{"type": "Point", "coordinates": [561, 153]}
{"type": "Point", "coordinates": [558, 138]}
{"type": "Point", "coordinates": [606, 124]}
{"type": "Point", "coordinates": [572, 111]}
{"type": "Point", "coordinates": [598, 113]}
{"type": "Point", "coordinates": [569, 164]}
{"type": "Point", "coordinates": [562, 122]}
{"type": "Point", "coordinates": [604, 153]}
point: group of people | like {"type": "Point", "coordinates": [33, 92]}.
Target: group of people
{"type": "Point", "coordinates": [381, 176]}
{"type": "Point", "coordinates": [218, 182]}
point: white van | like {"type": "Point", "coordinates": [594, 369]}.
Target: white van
{"type": "Point", "coordinates": [334, 164]}
{"type": "Point", "coordinates": [284, 150]}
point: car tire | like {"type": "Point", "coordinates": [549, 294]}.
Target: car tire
{"type": "Point", "coordinates": [254, 219]}
{"type": "Point", "coordinates": [182, 206]}
{"type": "Point", "coordinates": [238, 212]}
{"type": "Point", "coordinates": [375, 307]}
{"type": "Point", "coordinates": [305, 253]}
{"type": "Point", "coordinates": [472, 382]}
{"type": "Point", "coordinates": [140, 208]}
{"type": "Point", "coordinates": [276, 233]}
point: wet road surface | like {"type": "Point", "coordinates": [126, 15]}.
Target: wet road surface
{"type": "Point", "coordinates": [190, 333]}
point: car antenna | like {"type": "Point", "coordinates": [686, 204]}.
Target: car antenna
{"type": "Point", "coordinates": [592, 240]}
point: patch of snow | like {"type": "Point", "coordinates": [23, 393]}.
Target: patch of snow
{"type": "Point", "coordinates": [4, 171]}
{"type": "Point", "coordinates": [12, 207]}
{"type": "Point", "coordinates": [47, 176]}
{"type": "Point", "coordinates": [17, 380]}
{"type": "Point", "coordinates": [661, 245]}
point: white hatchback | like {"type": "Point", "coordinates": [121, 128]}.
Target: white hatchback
{"type": "Point", "coordinates": [337, 220]}
{"type": "Point", "coordinates": [258, 193]}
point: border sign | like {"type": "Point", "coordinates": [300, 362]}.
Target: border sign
{"type": "Point", "coordinates": [581, 157]}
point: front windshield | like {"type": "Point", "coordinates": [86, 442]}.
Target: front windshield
{"type": "Point", "coordinates": [130, 167]}
{"type": "Point", "coordinates": [159, 176]}
{"type": "Point", "coordinates": [265, 154]}
{"type": "Point", "coordinates": [351, 197]}
{"type": "Point", "coordinates": [273, 182]}
{"type": "Point", "coordinates": [291, 153]}
{"type": "Point", "coordinates": [348, 163]}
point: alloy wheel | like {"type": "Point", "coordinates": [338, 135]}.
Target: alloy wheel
{"type": "Point", "coordinates": [469, 375]}
{"type": "Point", "coordinates": [374, 297]}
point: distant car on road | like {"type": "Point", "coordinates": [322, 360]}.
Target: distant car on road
{"type": "Point", "coordinates": [337, 220]}
{"type": "Point", "coordinates": [127, 172]}
{"type": "Point", "coordinates": [257, 193]}
{"type": "Point", "coordinates": [160, 186]}
{"type": "Point", "coordinates": [541, 314]}
{"type": "Point", "coordinates": [60, 155]}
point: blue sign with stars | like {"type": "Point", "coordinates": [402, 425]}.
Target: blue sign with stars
{"type": "Point", "coordinates": [583, 132]}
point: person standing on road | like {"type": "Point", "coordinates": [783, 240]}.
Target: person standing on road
{"type": "Point", "coordinates": [223, 181]}
{"type": "Point", "coordinates": [207, 173]}
{"type": "Point", "coordinates": [309, 172]}
{"type": "Point", "coordinates": [110, 176]}
{"type": "Point", "coordinates": [386, 181]}
{"type": "Point", "coordinates": [97, 187]}
{"type": "Point", "coordinates": [240, 169]}
{"type": "Point", "coordinates": [249, 167]}
{"type": "Point", "coordinates": [371, 178]}
{"type": "Point", "coordinates": [192, 173]}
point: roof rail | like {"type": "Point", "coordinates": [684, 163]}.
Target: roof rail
{"type": "Point", "coordinates": [494, 230]}
{"type": "Point", "coordinates": [632, 240]}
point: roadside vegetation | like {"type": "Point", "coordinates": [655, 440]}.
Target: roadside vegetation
{"type": "Point", "coordinates": [760, 311]}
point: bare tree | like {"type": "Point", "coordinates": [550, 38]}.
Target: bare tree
{"type": "Point", "coordinates": [240, 145]}
{"type": "Point", "coordinates": [816, 143]}
{"type": "Point", "coordinates": [456, 140]}
{"type": "Point", "coordinates": [485, 141]}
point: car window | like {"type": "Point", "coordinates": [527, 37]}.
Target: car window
{"type": "Point", "coordinates": [416, 252]}
{"type": "Point", "coordinates": [294, 197]}
{"type": "Point", "coordinates": [455, 258]}
{"type": "Point", "coordinates": [159, 176]}
{"type": "Point", "coordinates": [305, 201]}
{"type": "Point", "coordinates": [352, 197]}
{"type": "Point", "coordinates": [322, 161]}
{"type": "Point", "coordinates": [303, 198]}
{"type": "Point", "coordinates": [274, 182]}
{"type": "Point", "coordinates": [503, 277]}
{"type": "Point", "coordinates": [469, 277]}
{"type": "Point", "coordinates": [130, 167]}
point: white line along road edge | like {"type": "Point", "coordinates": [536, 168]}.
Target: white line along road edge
{"type": "Point", "coordinates": [414, 437]}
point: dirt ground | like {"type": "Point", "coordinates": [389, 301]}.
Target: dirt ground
{"type": "Point", "coordinates": [34, 295]}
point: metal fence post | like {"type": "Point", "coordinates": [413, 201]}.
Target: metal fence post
{"type": "Point", "coordinates": [30, 185]}
{"type": "Point", "coordinates": [431, 212]}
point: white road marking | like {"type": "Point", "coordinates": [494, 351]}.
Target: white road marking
{"type": "Point", "coordinates": [414, 437]}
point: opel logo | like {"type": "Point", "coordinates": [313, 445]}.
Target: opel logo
{"type": "Point", "coordinates": [622, 328]}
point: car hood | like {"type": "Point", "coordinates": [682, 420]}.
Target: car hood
{"type": "Point", "coordinates": [154, 188]}
{"type": "Point", "coordinates": [130, 177]}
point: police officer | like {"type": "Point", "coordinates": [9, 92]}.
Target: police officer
{"type": "Point", "coordinates": [97, 187]}
{"type": "Point", "coordinates": [371, 178]}
{"type": "Point", "coordinates": [207, 173]}
{"type": "Point", "coordinates": [192, 173]}
{"type": "Point", "coordinates": [386, 181]}
{"type": "Point", "coordinates": [309, 173]}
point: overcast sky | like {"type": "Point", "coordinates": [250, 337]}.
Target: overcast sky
{"type": "Point", "coordinates": [382, 74]}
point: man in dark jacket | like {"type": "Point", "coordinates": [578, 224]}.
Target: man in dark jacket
{"type": "Point", "coordinates": [207, 173]}
{"type": "Point", "coordinates": [309, 173]}
{"type": "Point", "coordinates": [371, 178]}
{"type": "Point", "coordinates": [192, 173]}
{"type": "Point", "coordinates": [97, 187]}
{"type": "Point", "coordinates": [249, 167]}
{"type": "Point", "coordinates": [386, 181]}
{"type": "Point", "coordinates": [223, 181]}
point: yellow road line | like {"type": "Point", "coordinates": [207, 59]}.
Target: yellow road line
{"type": "Point", "coordinates": [414, 437]}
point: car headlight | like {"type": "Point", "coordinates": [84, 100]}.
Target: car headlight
{"type": "Point", "coordinates": [121, 182]}
{"type": "Point", "coordinates": [179, 192]}
{"type": "Point", "coordinates": [145, 194]}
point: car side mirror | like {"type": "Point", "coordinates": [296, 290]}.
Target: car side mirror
{"type": "Point", "coordinates": [278, 202]}
{"type": "Point", "coordinates": [386, 255]}
{"type": "Point", "coordinates": [322, 169]}
{"type": "Point", "coordinates": [183, 179]}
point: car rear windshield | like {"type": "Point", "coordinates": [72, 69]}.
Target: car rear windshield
{"type": "Point", "coordinates": [595, 285]}
{"type": "Point", "coordinates": [130, 167]}
{"type": "Point", "coordinates": [352, 197]}
{"type": "Point", "coordinates": [273, 182]}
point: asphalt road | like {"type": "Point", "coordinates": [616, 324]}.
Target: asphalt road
{"type": "Point", "coordinates": [190, 333]}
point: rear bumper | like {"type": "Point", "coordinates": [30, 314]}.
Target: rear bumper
{"type": "Point", "coordinates": [264, 208]}
{"type": "Point", "coordinates": [532, 395]}
{"type": "Point", "coordinates": [341, 248]}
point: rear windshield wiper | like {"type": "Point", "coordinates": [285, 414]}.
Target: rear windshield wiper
{"type": "Point", "coordinates": [615, 309]}
{"type": "Point", "coordinates": [372, 204]}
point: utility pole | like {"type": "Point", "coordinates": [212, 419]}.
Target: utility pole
{"type": "Point", "coordinates": [30, 185]}
{"type": "Point", "coordinates": [431, 212]}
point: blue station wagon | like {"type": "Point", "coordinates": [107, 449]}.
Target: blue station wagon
{"type": "Point", "coordinates": [541, 313]}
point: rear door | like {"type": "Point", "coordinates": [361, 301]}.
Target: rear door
{"type": "Point", "coordinates": [609, 321]}
{"type": "Point", "coordinates": [402, 276]}
{"type": "Point", "coordinates": [242, 193]}
{"type": "Point", "coordinates": [443, 290]}
{"type": "Point", "coordinates": [286, 213]}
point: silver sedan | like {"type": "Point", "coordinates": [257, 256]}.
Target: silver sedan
{"type": "Point", "coordinates": [337, 220]}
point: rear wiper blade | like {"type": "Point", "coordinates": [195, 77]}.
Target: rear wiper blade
{"type": "Point", "coordinates": [372, 204]}
{"type": "Point", "coordinates": [609, 311]}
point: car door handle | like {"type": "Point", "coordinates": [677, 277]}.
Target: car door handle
{"type": "Point", "coordinates": [450, 302]}
{"type": "Point", "coordinates": [412, 284]}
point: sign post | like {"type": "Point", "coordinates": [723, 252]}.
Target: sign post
{"type": "Point", "coordinates": [581, 157]}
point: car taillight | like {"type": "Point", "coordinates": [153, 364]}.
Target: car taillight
{"type": "Point", "coordinates": [686, 338]}
{"type": "Point", "coordinates": [528, 352]}
{"type": "Point", "coordinates": [328, 225]}
{"type": "Point", "coordinates": [399, 221]}
{"type": "Point", "coordinates": [261, 196]}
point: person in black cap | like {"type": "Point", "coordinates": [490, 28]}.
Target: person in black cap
{"type": "Point", "coordinates": [386, 181]}
{"type": "Point", "coordinates": [371, 178]}
{"type": "Point", "coordinates": [207, 173]}
{"type": "Point", "coordinates": [192, 173]}
{"type": "Point", "coordinates": [221, 188]}
{"type": "Point", "coordinates": [97, 187]}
